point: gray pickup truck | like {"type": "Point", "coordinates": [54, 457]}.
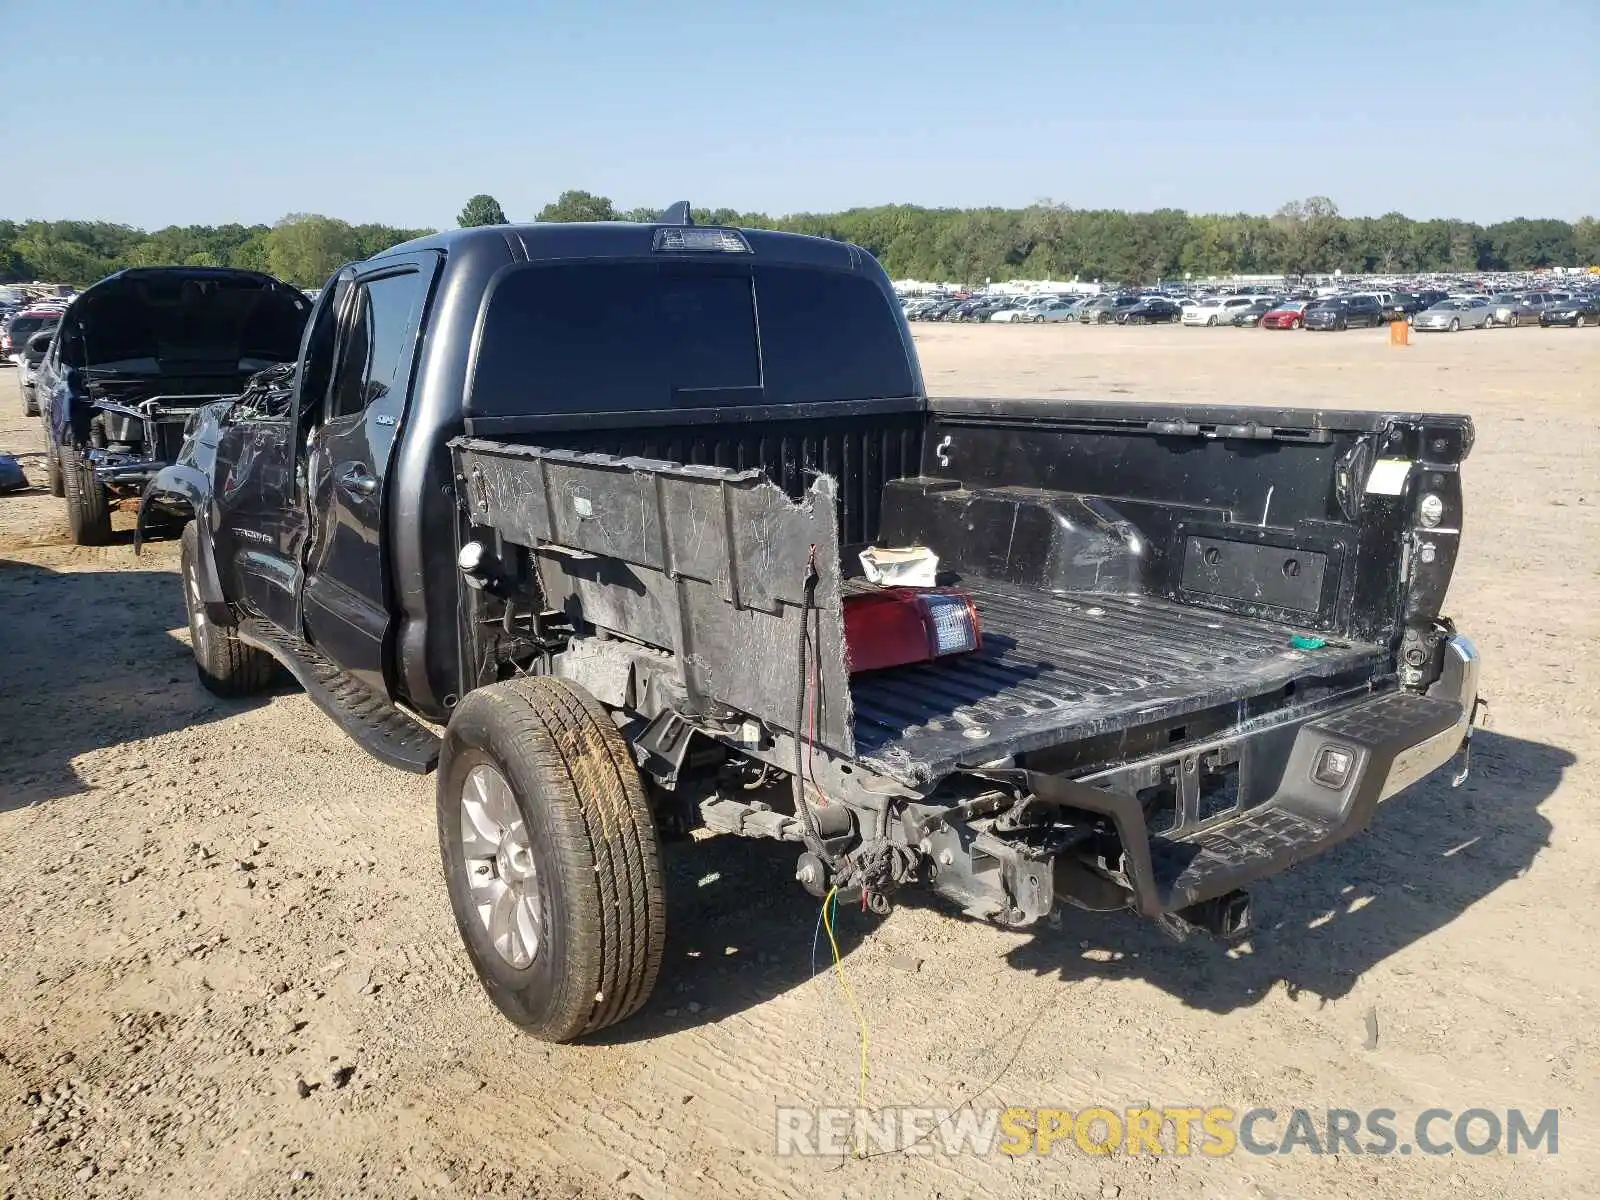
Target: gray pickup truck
{"type": "Point", "coordinates": [577, 515]}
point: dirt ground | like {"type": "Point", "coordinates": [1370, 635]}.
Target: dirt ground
{"type": "Point", "coordinates": [228, 969]}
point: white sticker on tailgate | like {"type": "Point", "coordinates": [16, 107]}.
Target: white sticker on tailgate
{"type": "Point", "coordinates": [1388, 476]}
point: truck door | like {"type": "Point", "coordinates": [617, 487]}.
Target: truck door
{"type": "Point", "coordinates": [258, 526]}
{"type": "Point", "coordinates": [348, 439]}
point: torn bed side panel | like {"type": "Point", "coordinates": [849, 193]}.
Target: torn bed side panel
{"type": "Point", "coordinates": [709, 563]}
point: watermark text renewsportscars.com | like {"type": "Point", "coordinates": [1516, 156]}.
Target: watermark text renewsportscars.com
{"type": "Point", "coordinates": [1211, 1131]}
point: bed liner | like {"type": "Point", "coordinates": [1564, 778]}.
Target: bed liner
{"type": "Point", "coordinates": [1056, 668]}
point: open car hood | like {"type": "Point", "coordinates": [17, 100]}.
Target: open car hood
{"type": "Point", "coordinates": [174, 323]}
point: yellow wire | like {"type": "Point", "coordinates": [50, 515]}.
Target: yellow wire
{"type": "Point", "coordinates": [829, 905]}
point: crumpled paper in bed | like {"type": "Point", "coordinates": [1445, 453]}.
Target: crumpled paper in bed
{"type": "Point", "coordinates": [900, 566]}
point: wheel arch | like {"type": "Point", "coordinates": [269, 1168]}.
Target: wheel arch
{"type": "Point", "coordinates": [180, 486]}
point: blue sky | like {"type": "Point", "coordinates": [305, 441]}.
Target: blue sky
{"type": "Point", "coordinates": [153, 112]}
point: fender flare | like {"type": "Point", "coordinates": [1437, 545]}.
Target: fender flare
{"type": "Point", "coordinates": [191, 487]}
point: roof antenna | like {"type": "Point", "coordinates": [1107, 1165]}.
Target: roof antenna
{"type": "Point", "coordinates": [677, 214]}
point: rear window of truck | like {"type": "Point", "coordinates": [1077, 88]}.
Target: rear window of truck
{"type": "Point", "coordinates": [631, 336]}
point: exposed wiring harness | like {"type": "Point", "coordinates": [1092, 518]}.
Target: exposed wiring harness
{"type": "Point", "coordinates": [827, 919]}
{"type": "Point", "coordinates": [878, 864]}
{"type": "Point", "coordinates": [803, 741]}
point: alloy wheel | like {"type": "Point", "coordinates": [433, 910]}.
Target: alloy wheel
{"type": "Point", "coordinates": [500, 868]}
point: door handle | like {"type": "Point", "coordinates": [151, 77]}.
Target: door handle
{"type": "Point", "coordinates": [356, 482]}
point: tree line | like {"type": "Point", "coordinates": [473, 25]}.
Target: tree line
{"type": "Point", "coordinates": [303, 248]}
{"type": "Point", "coordinates": [1041, 241]}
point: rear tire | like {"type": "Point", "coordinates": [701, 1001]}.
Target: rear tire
{"type": "Point", "coordinates": [30, 403]}
{"type": "Point", "coordinates": [551, 856]}
{"type": "Point", "coordinates": [227, 667]}
{"type": "Point", "coordinates": [1513, 321]}
{"type": "Point", "coordinates": [88, 504]}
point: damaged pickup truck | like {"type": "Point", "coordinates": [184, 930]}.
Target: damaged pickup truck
{"type": "Point", "coordinates": [135, 355]}
{"type": "Point", "coordinates": [632, 528]}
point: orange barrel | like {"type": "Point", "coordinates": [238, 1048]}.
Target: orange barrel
{"type": "Point", "coordinates": [1400, 332]}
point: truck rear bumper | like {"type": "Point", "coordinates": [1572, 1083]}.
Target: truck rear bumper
{"type": "Point", "coordinates": [1338, 768]}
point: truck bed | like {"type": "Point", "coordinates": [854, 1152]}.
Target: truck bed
{"type": "Point", "coordinates": [1057, 668]}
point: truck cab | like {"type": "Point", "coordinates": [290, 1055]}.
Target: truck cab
{"type": "Point", "coordinates": [592, 520]}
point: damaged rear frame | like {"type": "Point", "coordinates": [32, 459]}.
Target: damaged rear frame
{"type": "Point", "coordinates": [717, 567]}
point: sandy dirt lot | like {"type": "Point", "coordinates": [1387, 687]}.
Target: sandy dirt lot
{"type": "Point", "coordinates": [227, 965]}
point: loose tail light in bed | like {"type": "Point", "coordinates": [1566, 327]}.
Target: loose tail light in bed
{"type": "Point", "coordinates": [898, 626]}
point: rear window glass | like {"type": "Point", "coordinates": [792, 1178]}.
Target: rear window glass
{"type": "Point", "coordinates": [573, 338]}
{"type": "Point", "coordinates": [24, 327]}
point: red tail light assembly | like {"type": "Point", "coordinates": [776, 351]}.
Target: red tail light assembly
{"type": "Point", "coordinates": [897, 626]}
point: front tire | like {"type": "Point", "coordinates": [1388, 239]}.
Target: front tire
{"type": "Point", "coordinates": [1580, 321]}
{"type": "Point", "coordinates": [227, 667]}
{"type": "Point", "coordinates": [30, 403]}
{"type": "Point", "coordinates": [1211, 322]}
{"type": "Point", "coordinates": [1455, 324]}
{"type": "Point", "coordinates": [551, 856]}
{"type": "Point", "coordinates": [88, 504]}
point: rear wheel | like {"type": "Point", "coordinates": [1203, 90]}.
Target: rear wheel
{"type": "Point", "coordinates": [88, 504]}
{"type": "Point", "coordinates": [1513, 321]}
{"type": "Point", "coordinates": [551, 856]}
{"type": "Point", "coordinates": [30, 402]}
{"type": "Point", "coordinates": [227, 666]}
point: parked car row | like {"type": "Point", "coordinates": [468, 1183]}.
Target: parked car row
{"type": "Point", "coordinates": [24, 336]}
{"type": "Point", "coordinates": [1577, 308]}
{"type": "Point", "coordinates": [1427, 309]}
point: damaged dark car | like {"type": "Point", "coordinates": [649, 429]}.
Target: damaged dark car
{"type": "Point", "coordinates": [632, 529]}
{"type": "Point", "coordinates": [135, 356]}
